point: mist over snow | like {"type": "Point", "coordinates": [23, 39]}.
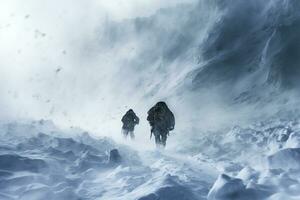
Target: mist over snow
{"type": "Point", "coordinates": [54, 64]}
{"type": "Point", "coordinates": [228, 70]}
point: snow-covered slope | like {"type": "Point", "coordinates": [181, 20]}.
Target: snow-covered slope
{"type": "Point", "coordinates": [229, 70]}
{"type": "Point", "coordinates": [260, 161]}
{"type": "Point", "coordinates": [40, 161]}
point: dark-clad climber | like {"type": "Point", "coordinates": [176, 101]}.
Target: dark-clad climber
{"type": "Point", "coordinates": [162, 121]}
{"type": "Point", "coordinates": [129, 121]}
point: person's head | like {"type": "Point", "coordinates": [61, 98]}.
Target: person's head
{"type": "Point", "coordinates": [161, 107]}
{"type": "Point", "coordinates": [161, 104]}
{"type": "Point", "coordinates": [130, 111]}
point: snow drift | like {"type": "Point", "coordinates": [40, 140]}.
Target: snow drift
{"type": "Point", "coordinates": [229, 70]}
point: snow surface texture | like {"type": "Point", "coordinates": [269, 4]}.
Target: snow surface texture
{"type": "Point", "coordinates": [260, 162]}
{"type": "Point", "coordinates": [221, 65]}
{"type": "Point", "coordinates": [40, 161]}
{"type": "Point", "coordinates": [37, 163]}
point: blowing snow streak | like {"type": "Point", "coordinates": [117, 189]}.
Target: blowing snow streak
{"type": "Point", "coordinates": [70, 72]}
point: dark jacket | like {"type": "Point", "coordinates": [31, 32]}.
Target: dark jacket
{"type": "Point", "coordinates": [130, 120]}
{"type": "Point", "coordinates": [160, 117]}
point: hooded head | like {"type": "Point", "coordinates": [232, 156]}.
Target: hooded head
{"type": "Point", "coordinates": [161, 107]}
{"type": "Point", "coordinates": [130, 111]}
{"type": "Point", "coordinates": [161, 104]}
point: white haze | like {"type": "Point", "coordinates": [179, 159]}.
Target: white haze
{"type": "Point", "coordinates": [84, 63]}
{"type": "Point", "coordinates": [38, 38]}
{"type": "Point", "coordinates": [54, 66]}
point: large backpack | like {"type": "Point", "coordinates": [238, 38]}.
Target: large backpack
{"type": "Point", "coordinates": [164, 118]}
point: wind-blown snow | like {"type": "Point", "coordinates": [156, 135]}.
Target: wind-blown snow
{"type": "Point", "coordinates": [41, 161]}
{"type": "Point", "coordinates": [229, 70]}
{"type": "Point", "coordinates": [38, 161]}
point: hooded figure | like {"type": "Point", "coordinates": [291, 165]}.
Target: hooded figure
{"type": "Point", "coordinates": [162, 121]}
{"type": "Point", "coordinates": [129, 121]}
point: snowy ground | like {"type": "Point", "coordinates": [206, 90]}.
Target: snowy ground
{"type": "Point", "coordinates": [257, 162]}
{"type": "Point", "coordinates": [215, 63]}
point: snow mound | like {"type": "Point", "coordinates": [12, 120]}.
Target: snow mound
{"type": "Point", "coordinates": [39, 162]}
{"type": "Point", "coordinates": [285, 159]}
{"type": "Point", "coordinates": [172, 189]}
{"type": "Point", "coordinates": [226, 188]}
{"type": "Point", "coordinates": [229, 188]}
{"type": "Point", "coordinates": [260, 160]}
